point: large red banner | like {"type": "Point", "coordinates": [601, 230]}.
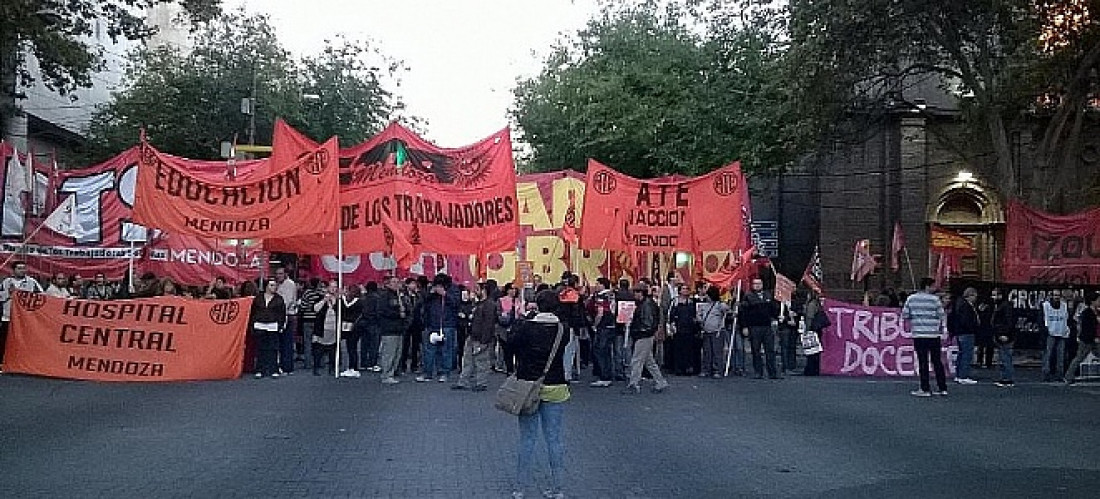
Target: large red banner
{"type": "Point", "coordinates": [155, 339]}
{"type": "Point", "coordinates": [662, 215]}
{"type": "Point", "coordinates": [400, 191]}
{"type": "Point", "coordinates": [104, 197]}
{"type": "Point", "coordinates": [293, 198]}
{"type": "Point", "coordinates": [1041, 248]}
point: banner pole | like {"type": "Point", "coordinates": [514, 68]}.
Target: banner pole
{"type": "Point", "coordinates": [24, 243]}
{"type": "Point", "coordinates": [130, 267]}
{"type": "Point", "coordinates": [733, 336]}
{"type": "Point", "coordinates": [912, 277]}
{"type": "Point", "coordinates": [339, 298]}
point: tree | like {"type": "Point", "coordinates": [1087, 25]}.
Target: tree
{"type": "Point", "coordinates": [1016, 65]}
{"type": "Point", "coordinates": [641, 90]}
{"type": "Point", "coordinates": [52, 32]}
{"type": "Point", "coordinates": [188, 103]}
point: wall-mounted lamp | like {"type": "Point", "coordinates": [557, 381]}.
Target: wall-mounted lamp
{"type": "Point", "coordinates": [964, 177]}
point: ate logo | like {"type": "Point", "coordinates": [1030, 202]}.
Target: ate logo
{"type": "Point", "coordinates": [317, 161]}
{"type": "Point", "coordinates": [603, 182]}
{"type": "Point", "coordinates": [725, 184]}
{"type": "Point", "coordinates": [225, 312]}
{"type": "Point", "coordinates": [30, 301]}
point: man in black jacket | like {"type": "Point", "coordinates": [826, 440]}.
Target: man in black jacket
{"type": "Point", "coordinates": [392, 311]}
{"type": "Point", "coordinates": [758, 316]}
{"type": "Point", "coordinates": [643, 327]}
{"type": "Point", "coordinates": [1088, 329]}
{"type": "Point", "coordinates": [1004, 335]}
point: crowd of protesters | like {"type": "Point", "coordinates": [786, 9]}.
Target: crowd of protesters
{"type": "Point", "coordinates": [440, 330]}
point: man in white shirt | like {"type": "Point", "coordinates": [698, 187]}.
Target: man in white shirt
{"type": "Point", "coordinates": [59, 287]}
{"type": "Point", "coordinates": [19, 281]}
{"type": "Point", "coordinates": [1056, 320]}
{"type": "Point", "coordinates": [288, 290]}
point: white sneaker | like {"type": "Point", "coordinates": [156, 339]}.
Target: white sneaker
{"type": "Point", "coordinates": [442, 379]}
{"type": "Point", "coordinates": [421, 379]}
{"type": "Point", "coordinates": [350, 373]}
{"type": "Point", "coordinates": [390, 381]}
{"type": "Point", "coordinates": [600, 384]}
{"type": "Point", "coordinates": [259, 375]}
{"type": "Point", "coordinates": [966, 381]}
{"type": "Point", "coordinates": [274, 375]}
{"type": "Point", "coordinates": [920, 393]}
{"type": "Point", "coordinates": [376, 369]}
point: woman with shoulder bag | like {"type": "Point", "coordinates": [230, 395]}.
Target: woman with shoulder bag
{"type": "Point", "coordinates": [533, 342]}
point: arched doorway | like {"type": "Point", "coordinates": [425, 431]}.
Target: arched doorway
{"type": "Point", "coordinates": [974, 211]}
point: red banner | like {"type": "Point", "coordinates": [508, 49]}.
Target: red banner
{"type": "Point", "coordinates": [290, 199]}
{"type": "Point", "coordinates": [103, 196]}
{"type": "Point", "coordinates": [693, 215]}
{"type": "Point", "coordinates": [1041, 248]}
{"type": "Point", "coordinates": [156, 339]}
{"type": "Point", "coordinates": [440, 200]}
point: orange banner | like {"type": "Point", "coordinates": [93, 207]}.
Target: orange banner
{"type": "Point", "coordinates": [295, 197]}
{"type": "Point", "coordinates": [154, 339]}
{"type": "Point", "coordinates": [402, 194]}
{"type": "Point", "coordinates": [949, 241]}
{"type": "Point", "coordinates": [695, 214]}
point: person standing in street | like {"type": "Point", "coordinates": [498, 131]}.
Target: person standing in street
{"type": "Point", "coordinates": [923, 310]}
{"type": "Point", "coordinates": [643, 327]}
{"type": "Point", "coordinates": [324, 330]}
{"type": "Point", "coordinates": [475, 353]}
{"type": "Point", "coordinates": [1004, 336]}
{"type": "Point", "coordinates": [288, 290]}
{"type": "Point", "coordinates": [268, 319]}
{"type": "Point", "coordinates": [758, 317]}
{"type": "Point", "coordinates": [602, 310]}
{"type": "Point", "coordinates": [19, 281]}
{"type": "Point", "coordinates": [440, 329]}
{"type": "Point", "coordinates": [394, 309]}
{"type": "Point", "coordinates": [1088, 329]}
{"type": "Point", "coordinates": [533, 341]}
{"type": "Point", "coordinates": [712, 321]}
{"type": "Point", "coordinates": [1056, 320]}
{"type": "Point", "coordinates": [962, 325]}
{"type": "Point", "coordinates": [683, 331]}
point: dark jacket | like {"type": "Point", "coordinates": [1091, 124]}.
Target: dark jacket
{"type": "Point", "coordinates": [963, 319]}
{"type": "Point", "coordinates": [532, 340]}
{"type": "Point", "coordinates": [350, 310]}
{"type": "Point", "coordinates": [388, 305]}
{"type": "Point", "coordinates": [483, 325]}
{"type": "Point", "coordinates": [1002, 321]}
{"type": "Point", "coordinates": [682, 315]}
{"type": "Point", "coordinates": [273, 311]}
{"type": "Point", "coordinates": [757, 310]}
{"type": "Point", "coordinates": [645, 320]}
{"type": "Point", "coordinates": [1087, 329]}
{"type": "Point", "coordinates": [442, 311]}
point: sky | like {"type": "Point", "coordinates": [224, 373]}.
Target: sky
{"type": "Point", "coordinates": [463, 56]}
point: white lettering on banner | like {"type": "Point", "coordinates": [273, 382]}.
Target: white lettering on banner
{"type": "Point", "coordinates": [192, 256]}
{"type": "Point", "coordinates": [875, 343]}
{"type": "Point", "coordinates": [89, 192]}
{"type": "Point", "coordinates": [884, 327]}
{"type": "Point", "coordinates": [69, 252]}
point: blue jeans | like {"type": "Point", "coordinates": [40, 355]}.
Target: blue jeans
{"type": "Point", "coordinates": [1005, 352]}
{"type": "Point", "coordinates": [737, 343]}
{"type": "Point", "coordinates": [602, 348]}
{"type": "Point", "coordinates": [439, 355]}
{"type": "Point", "coordinates": [550, 414]}
{"type": "Point", "coordinates": [965, 356]}
{"type": "Point", "coordinates": [1054, 344]}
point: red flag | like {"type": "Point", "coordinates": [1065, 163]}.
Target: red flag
{"type": "Point", "coordinates": [728, 276]}
{"type": "Point", "coordinates": [400, 247]}
{"type": "Point", "coordinates": [896, 246]}
{"type": "Point", "coordinates": [812, 276]}
{"type": "Point", "coordinates": [569, 226]}
{"type": "Point", "coordinates": [863, 263]}
{"type": "Point", "coordinates": [947, 266]}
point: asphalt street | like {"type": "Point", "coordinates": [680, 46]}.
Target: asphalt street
{"type": "Point", "coordinates": [305, 436]}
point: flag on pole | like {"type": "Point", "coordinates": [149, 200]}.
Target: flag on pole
{"type": "Point", "coordinates": [401, 248]}
{"type": "Point", "coordinates": [569, 226]}
{"type": "Point", "coordinates": [63, 218]}
{"type": "Point", "coordinates": [812, 276]}
{"type": "Point", "coordinates": [897, 244]}
{"type": "Point", "coordinates": [784, 288]}
{"type": "Point", "coordinates": [863, 263]}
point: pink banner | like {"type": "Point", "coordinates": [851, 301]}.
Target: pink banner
{"type": "Point", "coordinates": [871, 341]}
